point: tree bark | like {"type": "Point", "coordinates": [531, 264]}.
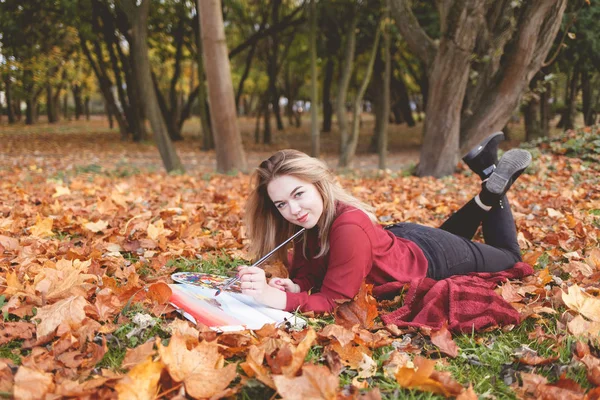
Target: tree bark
{"type": "Point", "coordinates": [344, 81]}
{"type": "Point", "coordinates": [208, 142]}
{"type": "Point", "coordinates": [138, 18]}
{"type": "Point", "coordinates": [525, 53]}
{"type": "Point", "coordinates": [586, 97]}
{"type": "Point", "coordinates": [441, 132]}
{"type": "Point", "coordinates": [510, 44]}
{"type": "Point", "coordinates": [382, 142]}
{"type": "Point", "coordinates": [228, 141]}
{"type": "Point", "coordinates": [327, 106]}
{"type": "Point", "coordinates": [9, 99]}
{"type": "Point", "coordinates": [532, 118]}
{"type": "Point", "coordinates": [315, 148]}
{"type": "Point", "coordinates": [348, 153]}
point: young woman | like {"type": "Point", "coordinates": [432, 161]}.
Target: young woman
{"type": "Point", "coordinates": [344, 245]}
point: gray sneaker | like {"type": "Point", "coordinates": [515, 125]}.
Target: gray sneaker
{"type": "Point", "coordinates": [510, 167]}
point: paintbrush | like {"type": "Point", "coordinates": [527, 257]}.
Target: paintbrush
{"type": "Point", "coordinates": [233, 280]}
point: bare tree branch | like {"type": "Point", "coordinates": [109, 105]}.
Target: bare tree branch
{"type": "Point", "coordinates": [418, 41]}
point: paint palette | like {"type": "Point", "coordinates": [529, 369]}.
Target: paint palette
{"type": "Point", "coordinates": [210, 281]}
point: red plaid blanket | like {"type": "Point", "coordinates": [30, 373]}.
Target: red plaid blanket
{"type": "Point", "coordinates": [463, 302]}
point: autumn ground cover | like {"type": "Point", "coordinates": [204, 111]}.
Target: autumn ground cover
{"type": "Point", "coordinates": [91, 229]}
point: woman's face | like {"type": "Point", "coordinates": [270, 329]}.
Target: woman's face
{"type": "Point", "coordinates": [297, 200]}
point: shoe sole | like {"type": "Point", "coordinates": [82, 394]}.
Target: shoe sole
{"type": "Point", "coordinates": [475, 152]}
{"type": "Point", "coordinates": [512, 161]}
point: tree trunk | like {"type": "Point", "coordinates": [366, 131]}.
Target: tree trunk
{"type": "Point", "coordinates": [586, 97]}
{"type": "Point", "coordinates": [50, 106]}
{"type": "Point", "coordinates": [272, 68]}
{"type": "Point", "coordinates": [532, 119]}
{"type": "Point", "coordinates": [315, 148]}
{"type": "Point", "coordinates": [376, 89]}
{"type": "Point", "coordinates": [9, 99]}
{"type": "Point", "coordinates": [105, 88]}
{"type": "Point", "coordinates": [568, 117]}
{"type": "Point", "coordinates": [77, 100]}
{"type": "Point", "coordinates": [512, 43]}
{"type": "Point", "coordinates": [345, 75]}
{"type": "Point", "coordinates": [348, 153]}
{"type": "Point", "coordinates": [138, 18]}
{"type": "Point", "coordinates": [228, 141]}
{"type": "Point", "coordinates": [441, 132]}
{"type": "Point", "coordinates": [327, 106]}
{"type": "Point", "coordinates": [545, 111]}
{"type": "Point", "coordinates": [66, 106]}
{"type": "Point", "coordinates": [86, 107]}
{"type": "Point", "coordinates": [403, 103]}
{"type": "Point", "coordinates": [208, 142]}
{"type": "Point", "coordinates": [382, 143]}
{"type": "Point", "coordinates": [31, 110]}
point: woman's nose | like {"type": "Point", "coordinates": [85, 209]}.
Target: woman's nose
{"type": "Point", "coordinates": [294, 207]}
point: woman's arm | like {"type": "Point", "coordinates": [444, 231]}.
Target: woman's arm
{"type": "Point", "coordinates": [350, 261]}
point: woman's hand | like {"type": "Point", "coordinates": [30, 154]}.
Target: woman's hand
{"type": "Point", "coordinates": [254, 284]}
{"type": "Point", "coordinates": [284, 284]}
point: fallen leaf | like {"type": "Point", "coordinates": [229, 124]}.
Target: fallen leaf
{"type": "Point", "coordinates": [98, 226]}
{"type": "Point", "coordinates": [339, 333]}
{"type": "Point", "coordinates": [443, 340]}
{"type": "Point", "coordinates": [138, 354]}
{"type": "Point", "coordinates": [583, 303]}
{"type": "Point", "coordinates": [299, 353]}
{"type": "Point", "coordinates": [42, 227]}
{"type": "Point", "coordinates": [316, 382]}
{"type": "Point", "coordinates": [32, 384]}
{"type": "Point", "coordinates": [141, 382]}
{"type": "Point", "coordinates": [70, 311]}
{"type": "Point", "coordinates": [362, 310]}
{"type": "Point", "coordinates": [159, 292]}
{"type": "Point", "coordinates": [419, 377]}
{"type": "Point", "coordinates": [201, 368]}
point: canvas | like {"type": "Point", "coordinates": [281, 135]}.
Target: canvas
{"type": "Point", "coordinates": [230, 311]}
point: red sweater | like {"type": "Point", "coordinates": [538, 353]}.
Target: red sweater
{"type": "Point", "coordinates": [358, 250]}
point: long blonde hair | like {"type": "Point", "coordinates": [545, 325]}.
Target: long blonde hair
{"type": "Point", "coordinates": [266, 228]}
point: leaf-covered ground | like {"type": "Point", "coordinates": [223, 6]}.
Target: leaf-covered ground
{"type": "Point", "coordinates": [91, 229]}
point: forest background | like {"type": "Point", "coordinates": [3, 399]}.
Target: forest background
{"type": "Point", "coordinates": [91, 226]}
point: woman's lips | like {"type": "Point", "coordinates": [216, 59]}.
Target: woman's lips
{"type": "Point", "coordinates": [303, 218]}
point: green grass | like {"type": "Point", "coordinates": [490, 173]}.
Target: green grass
{"type": "Point", "coordinates": [220, 265]}
{"type": "Point", "coordinates": [118, 342]}
{"type": "Point", "coordinates": [12, 350]}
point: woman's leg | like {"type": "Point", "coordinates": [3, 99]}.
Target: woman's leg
{"type": "Point", "coordinates": [449, 254]}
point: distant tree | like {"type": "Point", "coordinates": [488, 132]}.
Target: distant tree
{"type": "Point", "coordinates": [314, 97]}
{"type": "Point", "coordinates": [228, 141]}
{"type": "Point", "coordinates": [137, 14]}
{"type": "Point", "coordinates": [478, 70]}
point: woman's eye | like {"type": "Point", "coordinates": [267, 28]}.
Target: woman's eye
{"type": "Point", "coordinates": [299, 194]}
{"type": "Point", "coordinates": [280, 205]}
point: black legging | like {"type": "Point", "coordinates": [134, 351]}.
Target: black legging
{"type": "Point", "coordinates": [449, 249]}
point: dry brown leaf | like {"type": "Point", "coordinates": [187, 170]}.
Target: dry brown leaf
{"type": "Point", "coordinates": [32, 384]}
{"type": "Point", "coordinates": [443, 340]}
{"type": "Point", "coordinates": [299, 353]}
{"type": "Point", "coordinates": [200, 369]}
{"type": "Point", "coordinates": [10, 331]}
{"type": "Point", "coordinates": [61, 281]}
{"type": "Point", "coordinates": [69, 311]}
{"type": "Point", "coordinates": [362, 310]}
{"type": "Point", "coordinates": [583, 303]}
{"type": "Point", "coordinates": [421, 377]}
{"type": "Point", "coordinates": [253, 366]}
{"type": "Point", "coordinates": [138, 354]}
{"type": "Point", "coordinates": [159, 292]}
{"type": "Point", "coordinates": [316, 382]}
{"type": "Point", "coordinates": [141, 382]}
{"type": "Point", "coordinates": [339, 333]}
{"type": "Point", "coordinates": [42, 227]}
